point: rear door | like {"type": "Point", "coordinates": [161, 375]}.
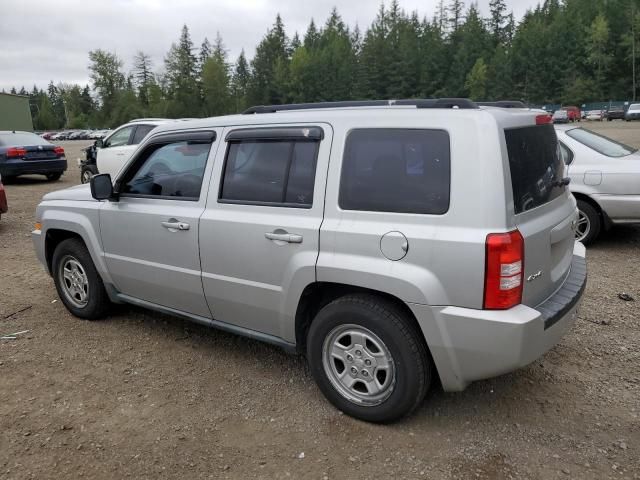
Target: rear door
{"type": "Point", "coordinates": [544, 210]}
{"type": "Point", "coordinates": [259, 235]}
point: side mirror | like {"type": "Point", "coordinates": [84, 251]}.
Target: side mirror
{"type": "Point", "coordinates": [101, 187]}
{"type": "Point", "coordinates": [99, 143]}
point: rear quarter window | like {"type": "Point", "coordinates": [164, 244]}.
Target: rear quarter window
{"type": "Point", "coordinates": [536, 166]}
{"type": "Point", "coordinates": [396, 170]}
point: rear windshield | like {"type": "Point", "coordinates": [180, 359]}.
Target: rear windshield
{"type": "Point", "coordinates": [600, 144]}
{"type": "Point", "coordinates": [536, 166]}
{"type": "Point", "coordinates": [21, 139]}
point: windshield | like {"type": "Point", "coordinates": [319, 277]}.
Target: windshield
{"type": "Point", "coordinates": [635, 106]}
{"type": "Point", "coordinates": [600, 144]}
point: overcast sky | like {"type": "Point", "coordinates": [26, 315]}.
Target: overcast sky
{"type": "Point", "coordinates": [43, 40]}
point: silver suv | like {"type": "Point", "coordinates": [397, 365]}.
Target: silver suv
{"type": "Point", "coordinates": [391, 242]}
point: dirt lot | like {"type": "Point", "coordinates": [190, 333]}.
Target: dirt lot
{"type": "Point", "coordinates": [142, 395]}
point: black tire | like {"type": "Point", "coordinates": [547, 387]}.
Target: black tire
{"type": "Point", "coordinates": [595, 221]}
{"type": "Point", "coordinates": [87, 172]}
{"type": "Point", "coordinates": [6, 179]}
{"type": "Point", "coordinates": [52, 177]}
{"type": "Point", "coordinates": [411, 360]}
{"type": "Point", "coordinates": [98, 303]}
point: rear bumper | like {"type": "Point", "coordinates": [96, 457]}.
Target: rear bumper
{"type": "Point", "coordinates": [469, 345]}
{"type": "Point", "coordinates": [12, 168]}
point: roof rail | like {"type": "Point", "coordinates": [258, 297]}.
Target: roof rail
{"type": "Point", "coordinates": [146, 120]}
{"type": "Point", "coordinates": [504, 104]}
{"type": "Point", "coordinates": [418, 103]}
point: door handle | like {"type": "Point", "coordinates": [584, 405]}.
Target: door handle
{"type": "Point", "coordinates": [176, 225]}
{"type": "Point", "coordinates": [284, 237]}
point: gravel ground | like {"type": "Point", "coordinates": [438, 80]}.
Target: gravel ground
{"type": "Point", "coordinates": [143, 395]}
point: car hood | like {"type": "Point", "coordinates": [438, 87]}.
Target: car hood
{"type": "Point", "coordinates": [78, 192]}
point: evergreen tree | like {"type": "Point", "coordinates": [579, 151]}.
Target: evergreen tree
{"type": "Point", "coordinates": [143, 75]}
{"type": "Point", "coordinates": [264, 87]}
{"type": "Point", "coordinates": [181, 71]}
{"type": "Point", "coordinates": [240, 83]}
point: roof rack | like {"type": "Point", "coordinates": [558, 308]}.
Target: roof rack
{"type": "Point", "coordinates": [464, 103]}
{"type": "Point", "coordinates": [146, 120]}
{"type": "Point", "coordinates": [504, 104]}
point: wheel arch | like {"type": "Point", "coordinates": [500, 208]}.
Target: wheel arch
{"type": "Point", "coordinates": [319, 294]}
{"type": "Point", "coordinates": [606, 221]}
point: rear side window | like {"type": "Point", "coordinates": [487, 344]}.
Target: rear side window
{"type": "Point", "coordinates": [141, 132]}
{"type": "Point", "coordinates": [536, 166]}
{"type": "Point", "coordinates": [396, 170]}
{"type": "Point", "coordinates": [270, 172]}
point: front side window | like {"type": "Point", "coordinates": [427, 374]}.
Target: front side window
{"type": "Point", "coordinates": [396, 170]}
{"type": "Point", "coordinates": [273, 172]}
{"type": "Point", "coordinates": [600, 144]}
{"type": "Point", "coordinates": [119, 138]}
{"type": "Point", "coordinates": [173, 170]}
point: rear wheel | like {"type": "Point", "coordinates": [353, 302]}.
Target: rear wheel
{"type": "Point", "coordinates": [589, 223]}
{"type": "Point", "coordinates": [77, 281]}
{"type": "Point", "coordinates": [368, 358]}
{"type": "Point", "coordinates": [52, 177]}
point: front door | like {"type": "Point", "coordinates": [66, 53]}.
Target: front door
{"type": "Point", "coordinates": [116, 149]}
{"type": "Point", "coordinates": [259, 236]}
{"type": "Point", "coordinates": [150, 236]}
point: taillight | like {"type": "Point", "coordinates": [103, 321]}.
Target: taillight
{"type": "Point", "coordinates": [59, 151]}
{"type": "Point", "coordinates": [16, 152]}
{"type": "Point", "coordinates": [503, 270]}
{"type": "Point", "coordinates": [543, 119]}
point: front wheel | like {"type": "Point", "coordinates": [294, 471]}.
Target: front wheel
{"type": "Point", "coordinates": [78, 282]}
{"type": "Point", "coordinates": [87, 172]}
{"type": "Point", "coordinates": [589, 223]}
{"type": "Point", "coordinates": [368, 358]}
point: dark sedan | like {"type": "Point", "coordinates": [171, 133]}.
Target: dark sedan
{"type": "Point", "coordinates": [24, 153]}
{"type": "Point", "coordinates": [614, 113]}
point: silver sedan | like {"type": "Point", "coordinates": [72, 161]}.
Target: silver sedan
{"type": "Point", "coordinates": [605, 179]}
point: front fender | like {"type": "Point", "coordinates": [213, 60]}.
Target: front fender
{"type": "Point", "coordinates": [83, 222]}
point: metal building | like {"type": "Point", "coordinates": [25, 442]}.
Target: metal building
{"type": "Point", "coordinates": [15, 113]}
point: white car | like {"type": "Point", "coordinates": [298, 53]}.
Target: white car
{"type": "Point", "coordinates": [596, 115]}
{"type": "Point", "coordinates": [113, 151]}
{"type": "Point", "coordinates": [605, 179]}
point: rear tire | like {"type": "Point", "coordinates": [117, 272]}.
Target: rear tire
{"type": "Point", "coordinates": [363, 333]}
{"type": "Point", "coordinates": [77, 281]}
{"type": "Point", "coordinates": [589, 223]}
{"type": "Point", "coordinates": [52, 177]}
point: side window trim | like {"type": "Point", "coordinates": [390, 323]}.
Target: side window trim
{"type": "Point", "coordinates": [294, 135]}
{"type": "Point", "coordinates": [200, 136]}
{"type": "Point", "coordinates": [571, 154]}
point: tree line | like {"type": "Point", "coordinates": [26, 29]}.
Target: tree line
{"type": "Point", "coordinates": [569, 51]}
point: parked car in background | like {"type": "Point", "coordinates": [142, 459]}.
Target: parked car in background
{"type": "Point", "coordinates": [595, 115]}
{"type": "Point", "coordinates": [47, 135]}
{"type": "Point", "coordinates": [605, 179]}
{"type": "Point", "coordinates": [633, 112]}
{"type": "Point", "coordinates": [573, 113]}
{"type": "Point", "coordinates": [109, 154]}
{"type": "Point", "coordinates": [4, 207]}
{"type": "Point", "coordinates": [560, 116]}
{"type": "Point", "coordinates": [341, 230]}
{"type": "Point", "coordinates": [614, 113]}
{"type": "Point", "coordinates": [23, 153]}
